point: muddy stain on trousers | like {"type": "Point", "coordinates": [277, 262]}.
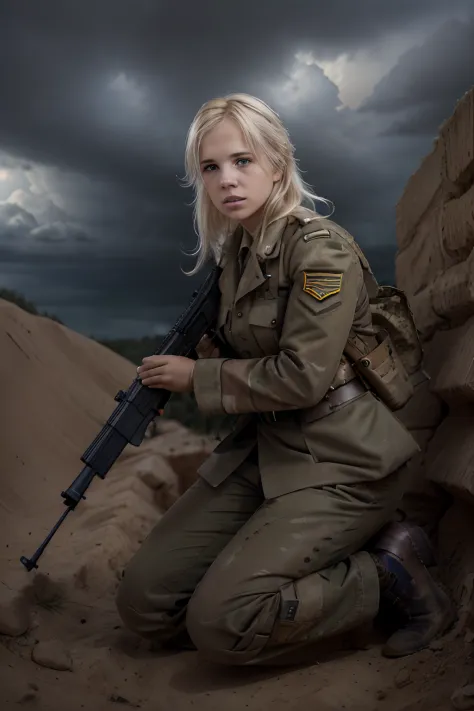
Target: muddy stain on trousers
{"type": "Point", "coordinates": [251, 580]}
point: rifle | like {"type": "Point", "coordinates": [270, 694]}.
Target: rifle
{"type": "Point", "coordinates": [140, 404]}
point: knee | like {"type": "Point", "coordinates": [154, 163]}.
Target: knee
{"type": "Point", "coordinates": [142, 610]}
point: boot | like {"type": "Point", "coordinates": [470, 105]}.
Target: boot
{"type": "Point", "coordinates": [401, 553]}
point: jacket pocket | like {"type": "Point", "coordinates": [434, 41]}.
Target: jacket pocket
{"type": "Point", "coordinates": [265, 324]}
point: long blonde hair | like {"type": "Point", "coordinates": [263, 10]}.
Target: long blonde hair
{"type": "Point", "coordinates": [263, 129]}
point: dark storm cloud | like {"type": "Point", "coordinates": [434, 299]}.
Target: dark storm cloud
{"type": "Point", "coordinates": [15, 223]}
{"type": "Point", "coordinates": [102, 94]}
{"type": "Point", "coordinates": [56, 105]}
{"type": "Point", "coordinates": [426, 80]}
{"type": "Point", "coordinates": [21, 232]}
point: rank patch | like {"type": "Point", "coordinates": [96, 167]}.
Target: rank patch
{"type": "Point", "coordinates": [322, 284]}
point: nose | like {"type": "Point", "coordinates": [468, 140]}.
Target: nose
{"type": "Point", "coordinates": [228, 178]}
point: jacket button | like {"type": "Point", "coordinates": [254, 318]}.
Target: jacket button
{"type": "Point", "coordinates": [273, 321]}
{"type": "Point", "coordinates": [239, 314]}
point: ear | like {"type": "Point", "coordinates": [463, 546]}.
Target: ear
{"type": "Point", "coordinates": [277, 176]}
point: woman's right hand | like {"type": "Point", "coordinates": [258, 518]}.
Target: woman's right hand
{"type": "Point", "coordinates": [206, 348]}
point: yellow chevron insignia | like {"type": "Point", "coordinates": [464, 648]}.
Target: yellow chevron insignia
{"type": "Point", "coordinates": [322, 284]}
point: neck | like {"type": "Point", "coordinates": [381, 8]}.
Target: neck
{"type": "Point", "coordinates": [253, 224]}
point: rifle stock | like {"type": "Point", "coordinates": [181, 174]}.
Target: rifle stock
{"type": "Point", "coordinates": [139, 405]}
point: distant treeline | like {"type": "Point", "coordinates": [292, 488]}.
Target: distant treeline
{"type": "Point", "coordinates": [181, 407]}
{"type": "Point", "coordinates": [19, 300]}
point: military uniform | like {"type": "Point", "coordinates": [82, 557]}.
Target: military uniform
{"type": "Point", "coordinates": [263, 554]}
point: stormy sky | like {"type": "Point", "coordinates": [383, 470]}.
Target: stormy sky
{"type": "Point", "coordinates": [97, 97]}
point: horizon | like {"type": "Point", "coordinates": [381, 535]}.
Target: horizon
{"type": "Point", "coordinates": [93, 218]}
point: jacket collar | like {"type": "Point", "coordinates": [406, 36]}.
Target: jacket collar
{"type": "Point", "coordinates": [254, 273]}
{"type": "Point", "coordinates": [269, 245]}
{"type": "Point", "coordinates": [267, 248]}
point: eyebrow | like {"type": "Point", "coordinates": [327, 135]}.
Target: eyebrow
{"type": "Point", "coordinates": [233, 155]}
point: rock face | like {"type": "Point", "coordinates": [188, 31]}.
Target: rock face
{"type": "Point", "coordinates": [435, 268]}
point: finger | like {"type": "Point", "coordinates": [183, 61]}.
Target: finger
{"type": "Point", "coordinates": [151, 365]}
{"type": "Point", "coordinates": [156, 381]}
{"type": "Point", "coordinates": [155, 360]}
{"type": "Point", "coordinates": [159, 372]}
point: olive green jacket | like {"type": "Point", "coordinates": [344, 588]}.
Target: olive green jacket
{"type": "Point", "coordinates": [288, 306]}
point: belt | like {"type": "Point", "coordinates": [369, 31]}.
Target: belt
{"type": "Point", "coordinates": [332, 400]}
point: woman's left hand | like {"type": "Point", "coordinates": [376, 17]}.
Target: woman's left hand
{"type": "Point", "coordinates": [170, 372]}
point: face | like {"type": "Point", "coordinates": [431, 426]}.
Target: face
{"type": "Point", "coordinates": [237, 181]}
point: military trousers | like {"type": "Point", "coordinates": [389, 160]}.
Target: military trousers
{"type": "Point", "coordinates": [252, 580]}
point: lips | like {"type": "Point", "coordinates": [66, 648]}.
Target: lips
{"type": "Point", "coordinates": [233, 198]}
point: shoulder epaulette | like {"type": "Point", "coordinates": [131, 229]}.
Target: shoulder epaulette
{"type": "Point", "coordinates": [304, 215]}
{"type": "Point", "coordinates": [311, 233]}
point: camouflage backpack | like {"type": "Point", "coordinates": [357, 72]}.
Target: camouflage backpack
{"type": "Point", "coordinates": [395, 367]}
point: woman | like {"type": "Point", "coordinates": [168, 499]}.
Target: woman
{"type": "Point", "coordinates": [264, 553]}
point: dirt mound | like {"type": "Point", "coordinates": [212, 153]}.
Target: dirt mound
{"type": "Point", "coordinates": [62, 644]}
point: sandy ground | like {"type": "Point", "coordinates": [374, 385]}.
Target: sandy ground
{"type": "Point", "coordinates": [61, 641]}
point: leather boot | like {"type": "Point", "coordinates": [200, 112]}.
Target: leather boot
{"type": "Point", "coordinates": [401, 553]}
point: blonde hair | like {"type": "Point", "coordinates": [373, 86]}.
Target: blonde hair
{"type": "Point", "coordinates": [263, 129]}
